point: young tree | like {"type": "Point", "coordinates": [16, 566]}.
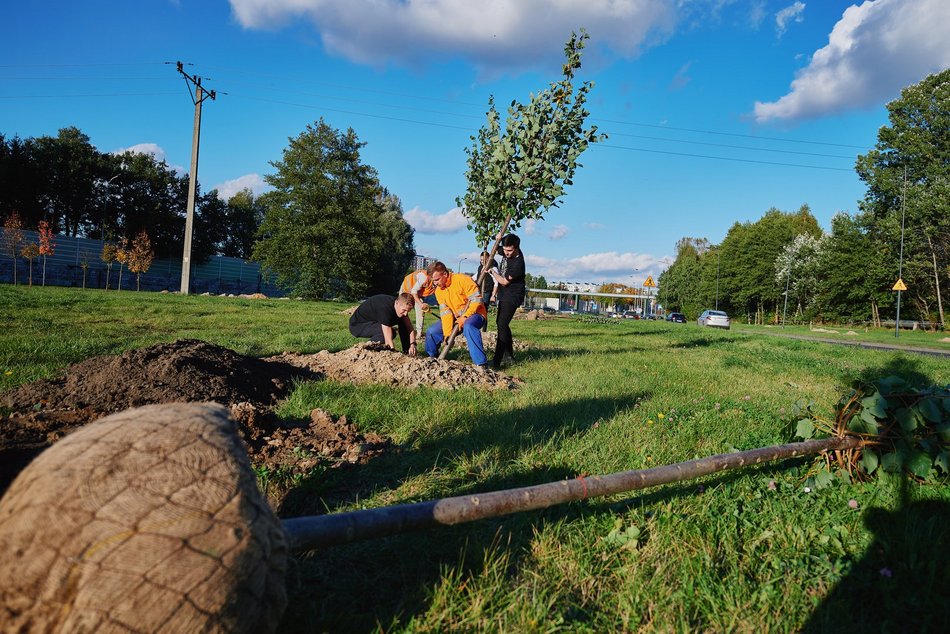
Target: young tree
{"type": "Point", "coordinates": [47, 244]}
{"type": "Point", "coordinates": [519, 172]}
{"type": "Point", "coordinates": [84, 265]}
{"type": "Point", "coordinates": [108, 255]}
{"type": "Point", "coordinates": [325, 227]}
{"type": "Point", "coordinates": [121, 256]}
{"type": "Point", "coordinates": [30, 252]}
{"type": "Point", "coordinates": [140, 257]}
{"type": "Point", "coordinates": [12, 237]}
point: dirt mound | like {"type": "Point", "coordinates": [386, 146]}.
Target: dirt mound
{"type": "Point", "coordinates": [374, 363]}
{"type": "Point", "coordinates": [349, 311]}
{"type": "Point", "coordinates": [489, 341]}
{"type": "Point", "coordinates": [531, 315]}
{"type": "Point", "coordinates": [35, 415]}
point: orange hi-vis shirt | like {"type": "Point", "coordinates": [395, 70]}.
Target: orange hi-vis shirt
{"type": "Point", "coordinates": [460, 297]}
{"type": "Point", "coordinates": [417, 282]}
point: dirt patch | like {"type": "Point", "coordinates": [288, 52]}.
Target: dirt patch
{"type": "Point", "coordinates": [374, 363]}
{"type": "Point", "coordinates": [531, 315]}
{"type": "Point", "coordinates": [349, 311]}
{"type": "Point", "coordinates": [489, 341]}
{"type": "Point", "coordinates": [36, 415]}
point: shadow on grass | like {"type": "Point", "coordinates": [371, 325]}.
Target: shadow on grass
{"type": "Point", "coordinates": [900, 584]}
{"type": "Point", "coordinates": [906, 367]}
{"type": "Point", "coordinates": [505, 432]}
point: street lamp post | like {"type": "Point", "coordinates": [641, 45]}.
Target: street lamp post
{"type": "Point", "coordinates": [459, 268]}
{"type": "Point", "coordinates": [717, 279]}
{"type": "Point", "coordinates": [105, 210]}
{"type": "Point", "coordinates": [787, 279]}
{"type": "Point", "coordinates": [900, 262]}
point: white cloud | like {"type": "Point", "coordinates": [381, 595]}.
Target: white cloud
{"type": "Point", "coordinates": [681, 78]}
{"type": "Point", "coordinates": [876, 49]}
{"type": "Point", "coordinates": [495, 35]}
{"type": "Point", "coordinates": [227, 189]}
{"type": "Point", "coordinates": [625, 268]}
{"type": "Point", "coordinates": [145, 148]}
{"type": "Point", "coordinates": [426, 222]}
{"type": "Point", "coordinates": [558, 232]}
{"type": "Point", "coordinates": [156, 151]}
{"type": "Point", "coordinates": [596, 226]}
{"type": "Point", "coordinates": [529, 227]}
{"type": "Point", "coordinates": [791, 13]}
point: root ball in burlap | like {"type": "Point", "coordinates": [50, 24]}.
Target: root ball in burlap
{"type": "Point", "coordinates": [146, 520]}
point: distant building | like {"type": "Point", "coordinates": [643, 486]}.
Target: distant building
{"type": "Point", "coordinates": [421, 262]}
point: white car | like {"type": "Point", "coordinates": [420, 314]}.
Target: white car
{"type": "Point", "coordinates": [714, 318]}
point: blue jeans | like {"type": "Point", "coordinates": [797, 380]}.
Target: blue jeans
{"type": "Point", "coordinates": [473, 336]}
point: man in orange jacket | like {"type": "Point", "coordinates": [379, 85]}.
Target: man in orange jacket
{"type": "Point", "coordinates": [460, 302]}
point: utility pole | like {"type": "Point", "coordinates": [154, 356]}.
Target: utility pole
{"type": "Point", "coordinates": [900, 262]}
{"type": "Point", "coordinates": [198, 97]}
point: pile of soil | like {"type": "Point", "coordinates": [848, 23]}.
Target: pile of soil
{"type": "Point", "coordinates": [374, 363]}
{"type": "Point", "coordinates": [489, 341]}
{"type": "Point", "coordinates": [36, 415]}
{"type": "Point", "coordinates": [531, 315]}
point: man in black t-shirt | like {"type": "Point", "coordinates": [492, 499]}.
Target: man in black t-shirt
{"type": "Point", "coordinates": [379, 316]}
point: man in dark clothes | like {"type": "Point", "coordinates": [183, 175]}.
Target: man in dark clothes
{"type": "Point", "coordinates": [380, 316]}
{"type": "Point", "coordinates": [509, 277]}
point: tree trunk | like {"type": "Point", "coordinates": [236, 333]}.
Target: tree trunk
{"type": "Point", "coordinates": [44, 270]}
{"type": "Point", "coordinates": [933, 254]}
{"type": "Point", "coordinates": [119, 287]}
{"type": "Point", "coordinates": [308, 533]}
{"type": "Point", "coordinates": [108, 274]}
{"type": "Point", "coordinates": [455, 330]}
{"type": "Point", "coordinates": [29, 268]}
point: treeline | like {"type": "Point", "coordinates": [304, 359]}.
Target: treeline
{"type": "Point", "coordinates": [902, 229]}
{"type": "Point", "coordinates": [80, 191]}
{"type": "Point", "coordinates": [327, 228]}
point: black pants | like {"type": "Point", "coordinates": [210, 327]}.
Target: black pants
{"type": "Point", "coordinates": [506, 310]}
{"type": "Point", "coordinates": [374, 332]}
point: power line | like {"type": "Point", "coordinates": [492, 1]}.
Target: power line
{"type": "Point", "coordinates": [102, 94]}
{"type": "Point", "coordinates": [746, 136]}
{"type": "Point", "coordinates": [736, 147]}
{"type": "Point", "coordinates": [721, 158]}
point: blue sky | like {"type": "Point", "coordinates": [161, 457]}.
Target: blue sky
{"type": "Point", "coordinates": [716, 110]}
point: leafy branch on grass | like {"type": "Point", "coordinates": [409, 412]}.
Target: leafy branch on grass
{"type": "Point", "coordinates": [903, 428]}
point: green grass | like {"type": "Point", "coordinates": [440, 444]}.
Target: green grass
{"type": "Point", "coordinates": [726, 553]}
{"type": "Point", "coordinates": [939, 340]}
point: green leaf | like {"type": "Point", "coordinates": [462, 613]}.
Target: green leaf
{"type": "Point", "coordinates": [824, 479]}
{"type": "Point", "coordinates": [863, 424]}
{"type": "Point", "coordinates": [943, 430]}
{"type": "Point", "coordinates": [890, 384]}
{"type": "Point", "coordinates": [875, 404]}
{"type": "Point", "coordinates": [891, 462]}
{"type": "Point", "coordinates": [942, 461]}
{"type": "Point", "coordinates": [928, 407]}
{"type": "Point", "coordinates": [907, 418]}
{"type": "Point", "coordinates": [805, 429]}
{"type": "Point", "coordinates": [869, 461]}
{"type": "Point", "coordinates": [920, 464]}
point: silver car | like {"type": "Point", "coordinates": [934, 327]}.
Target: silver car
{"type": "Point", "coordinates": [714, 318]}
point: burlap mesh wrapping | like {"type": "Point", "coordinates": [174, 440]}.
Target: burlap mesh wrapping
{"type": "Point", "coordinates": [147, 520]}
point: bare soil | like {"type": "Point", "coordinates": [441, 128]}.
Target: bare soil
{"type": "Point", "coordinates": [36, 415]}
{"type": "Point", "coordinates": [374, 363]}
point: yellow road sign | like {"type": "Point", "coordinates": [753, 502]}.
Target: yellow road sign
{"type": "Point", "coordinates": [650, 283]}
{"type": "Point", "coordinates": [899, 286]}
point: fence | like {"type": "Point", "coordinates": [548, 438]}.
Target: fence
{"type": "Point", "coordinates": [219, 274]}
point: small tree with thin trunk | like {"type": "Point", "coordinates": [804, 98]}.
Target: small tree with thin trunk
{"type": "Point", "coordinates": [47, 244]}
{"type": "Point", "coordinates": [140, 256]}
{"type": "Point", "coordinates": [108, 256]}
{"type": "Point", "coordinates": [519, 172]}
{"type": "Point", "coordinates": [84, 265]}
{"type": "Point", "coordinates": [30, 252]}
{"type": "Point", "coordinates": [121, 256]}
{"type": "Point", "coordinates": [12, 238]}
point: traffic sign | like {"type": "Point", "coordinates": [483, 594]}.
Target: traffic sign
{"type": "Point", "coordinates": [650, 283]}
{"type": "Point", "coordinates": [899, 286]}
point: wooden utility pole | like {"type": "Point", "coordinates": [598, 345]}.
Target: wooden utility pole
{"type": "Point", "coordinates": [197, 97]}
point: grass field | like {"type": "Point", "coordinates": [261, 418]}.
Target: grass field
{"type": "Point", "coordinates": [743, 551]}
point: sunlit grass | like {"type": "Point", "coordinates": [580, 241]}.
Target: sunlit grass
{"type": "Point", "coordinates": [741, 551]}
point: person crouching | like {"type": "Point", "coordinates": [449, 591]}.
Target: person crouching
{"type": "Point", "coordinates": [380, 316]}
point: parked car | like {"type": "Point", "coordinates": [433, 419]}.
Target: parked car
{"type": "Point", "coordinates": [679, 318]}
{"type": "Point", "coordinates": [631, 314]}
{"type": "Point", "coordinates": [714, 318]}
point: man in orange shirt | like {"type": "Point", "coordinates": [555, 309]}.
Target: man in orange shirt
{"type": "Point", "coordinates": [460, 302]}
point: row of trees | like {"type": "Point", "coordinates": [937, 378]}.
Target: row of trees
{"type": "Point", "coordinates": [79, 191]}
{"type": "Point", "coordinates": [846, 274]}
{"type": "Point", "coordinates": [328, 227]}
